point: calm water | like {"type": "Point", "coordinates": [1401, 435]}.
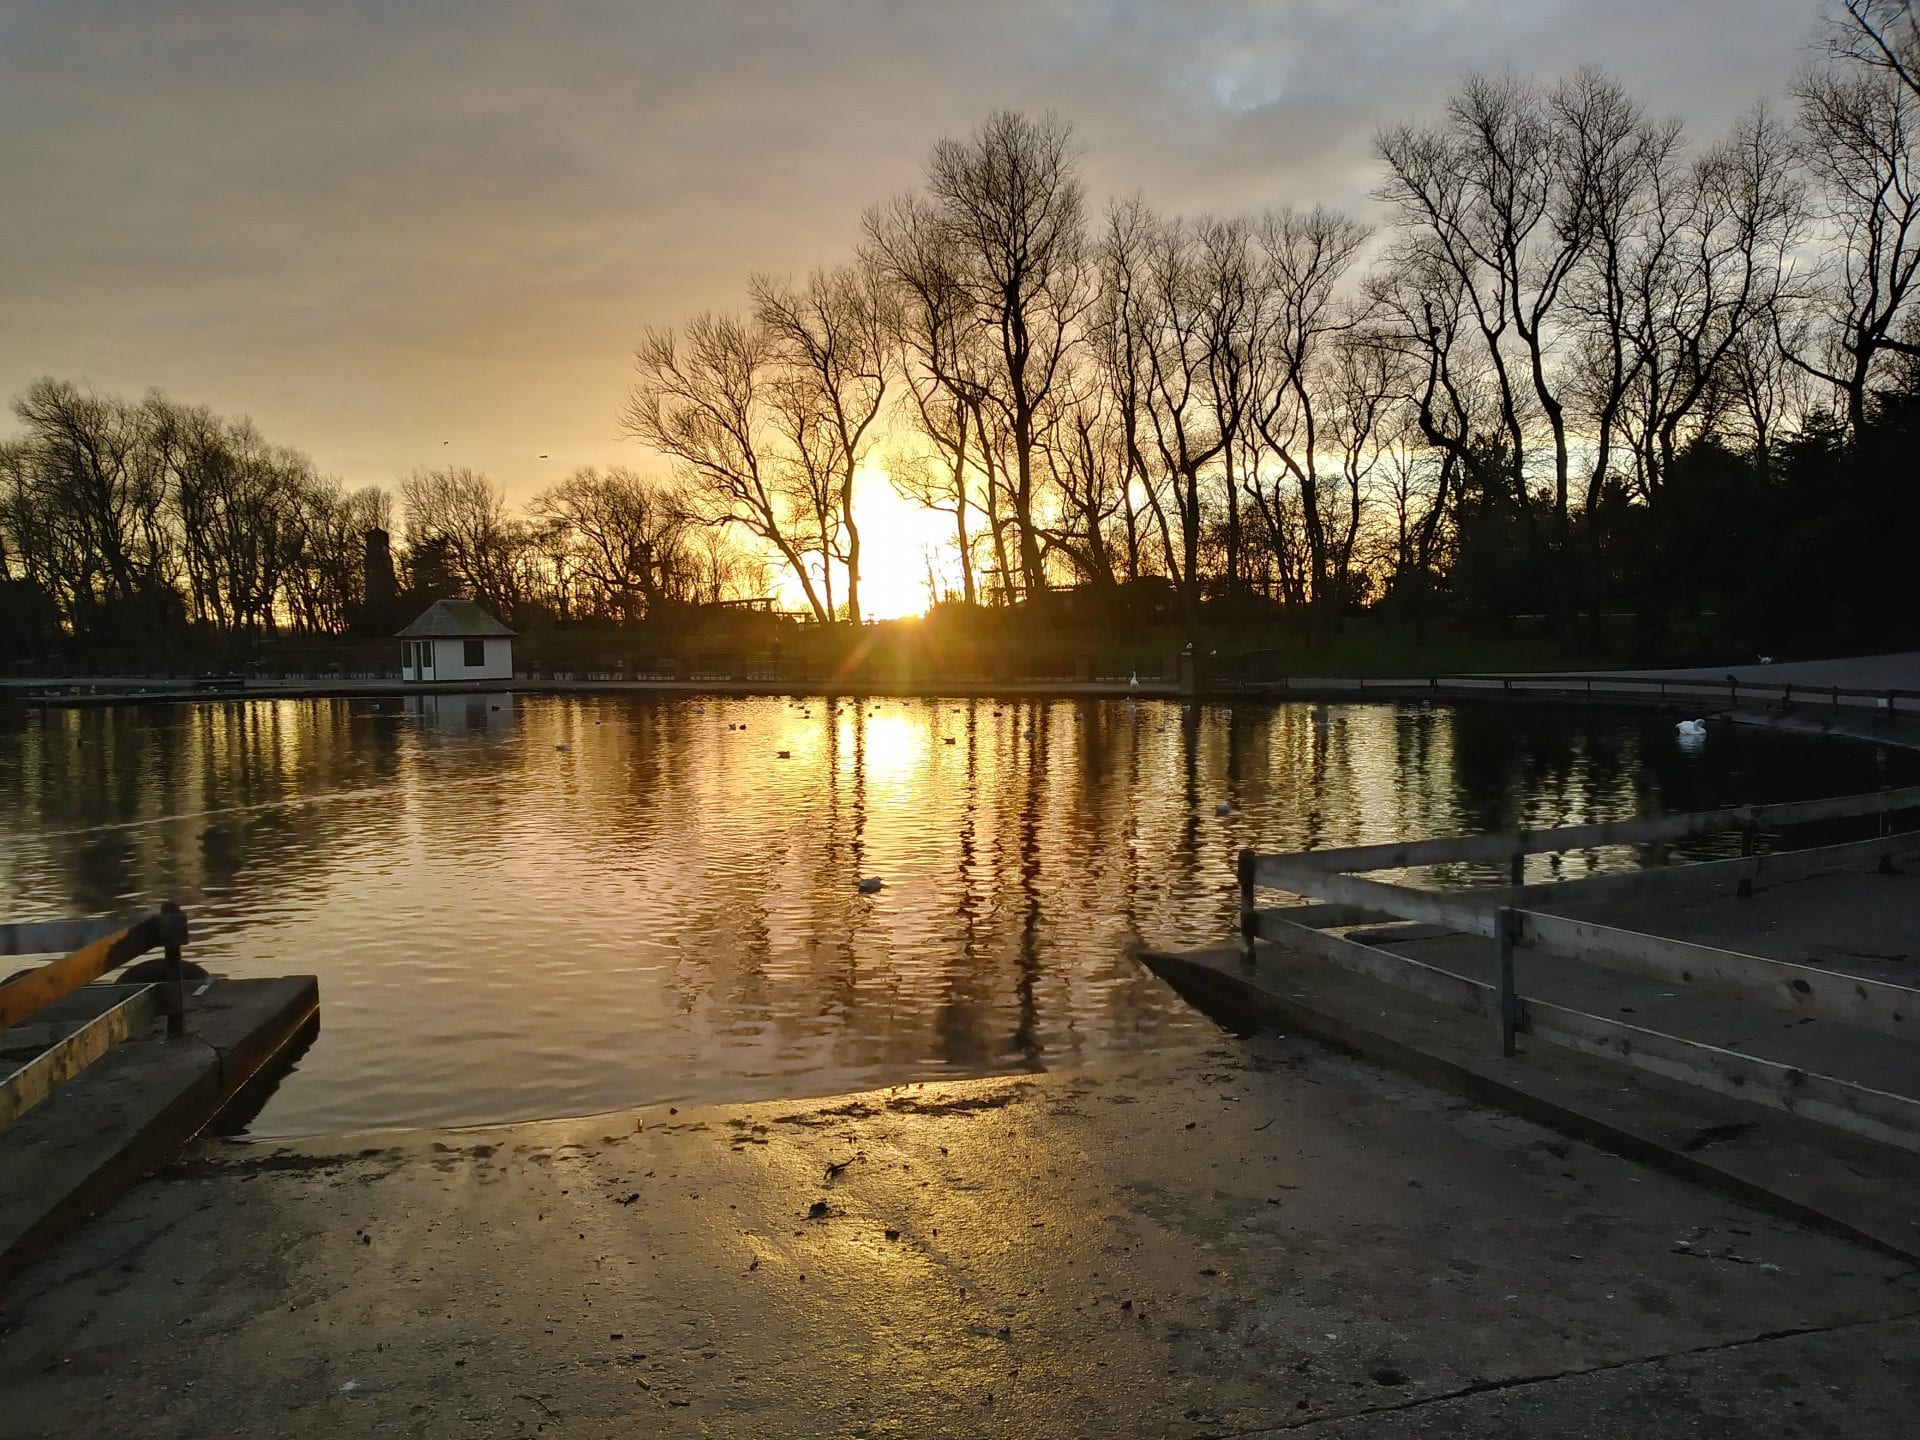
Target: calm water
{"type": "Point", "coordinates": [526, 907]}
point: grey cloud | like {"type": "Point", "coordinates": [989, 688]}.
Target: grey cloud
{"type": "Point", "coordinates": [374, 226]}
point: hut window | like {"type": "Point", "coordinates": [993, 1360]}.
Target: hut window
{"type": "Point", "coordinates": [476, 654]}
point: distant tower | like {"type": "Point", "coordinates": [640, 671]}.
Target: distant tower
{"type": "Point", "coordinates": [377, 578]}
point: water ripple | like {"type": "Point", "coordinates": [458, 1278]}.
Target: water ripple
{"type": "Point", "coordinates": [527, 907]}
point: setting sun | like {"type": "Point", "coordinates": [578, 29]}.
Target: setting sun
{"type": "Point", "coordinates": [899, 540]}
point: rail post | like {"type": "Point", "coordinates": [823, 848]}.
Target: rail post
{"type": "Point", "coordinates": [1733, 691]}
{"type": "Point", "coordinates": [1249, 924]}
{"type": "Point", "coordinates": [1886, 828]}
{"type": "Point", "coordinates": [1506, 1005]}
{"type": "Point", "coordinates": [173, 990]}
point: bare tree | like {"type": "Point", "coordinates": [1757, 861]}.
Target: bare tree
{"type": "Point", "coordinates": [1533, 203]}
{"type": "Point", "coordinates": [1881, 35]}
{"type": "Point", "coordinates": [1117, 336]}
{"type": "Point", "coordinates": [1177, 323]}
{"type": "Point", "coordinates": [326, 593]}
{"type": "Point", "coordinates": [1306, 258]}
{"type": "Point", "coordinates": [625, 538]}
{"type": "Point", "coordinates": [1859, 128]}
{"type": "Point", "coordinates": [1087, 463]}
{"type": "Point", "coordinates": [1768, 391]}
{"type": "Point", "coordinates": [704, 406]}
{"type": "Point", "coordinates": [487, 551]}
{"type": "Point", "coordinates": [96, 479]}
{"type": "Point", "coordinates": [802, 454]}
{"type": "Point", "coordinates": [1421, 312]}
{"type": "Point", "coordinates": [1705, 276]}
{"type": "Point", "coordinates": [1613, 180]}
{"type": "Point", "coordinates": [1479, 198]}
{"type": "Point", "coordinates": [237, 503]}
{"type": "Point", "coordinates": [941, 362]}
{"type": "Point", "coordinates": [1008, 199]}
{"type": "Point", "coordinates": [835, 337]}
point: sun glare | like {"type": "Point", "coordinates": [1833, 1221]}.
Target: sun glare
{"type": "Point", "coordinates": [898, 538]}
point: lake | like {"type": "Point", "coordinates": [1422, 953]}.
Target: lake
{"type": "Point", "coordinates": [525, 906]}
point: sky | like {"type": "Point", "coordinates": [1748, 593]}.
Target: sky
{"type": "Point", "coordinates": [402, 234]}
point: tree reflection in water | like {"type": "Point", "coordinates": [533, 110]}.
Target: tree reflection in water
{"type": "Point", "coordinates": [666, 910]}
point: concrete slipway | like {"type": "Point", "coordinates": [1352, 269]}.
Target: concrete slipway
{"type": "Point", "coordinates": [1252, 1238]}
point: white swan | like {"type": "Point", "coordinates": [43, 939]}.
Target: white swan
{"type": "Point", "coordinates": [1691, 727]}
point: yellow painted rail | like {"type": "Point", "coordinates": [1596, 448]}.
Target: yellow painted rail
{"type": "Point", "coordinates": [36, 989]}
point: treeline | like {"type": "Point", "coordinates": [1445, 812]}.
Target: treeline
{"type": "Point", "coordinates": [127, 524]}
{"type": "Point", "coordinates": [1512, 397]}
{"type": "Point", "coordinates": [1586, 364]}
{"type": "Point", "coordinates": [156, 529]}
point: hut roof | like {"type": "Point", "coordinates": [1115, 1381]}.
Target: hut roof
{"type": "Point", "coordinates": [454, 620]}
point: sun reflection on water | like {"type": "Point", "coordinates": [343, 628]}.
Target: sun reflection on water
{"type": "Point", "coordinates": [525, 906]}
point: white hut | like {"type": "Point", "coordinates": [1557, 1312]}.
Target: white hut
{"type": "Point", "coordinates": [456, 640]}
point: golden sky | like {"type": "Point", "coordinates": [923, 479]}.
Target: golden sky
{"type": "Point", "coordinates": [403, 234]}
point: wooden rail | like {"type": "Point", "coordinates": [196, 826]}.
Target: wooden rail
{"type": "Point", "coordinates": [98, 946]}
{"type": "Point", "coordinates": [1466, 910]}
{"type": "Point", "coordinates": [1503, 845]}
{"type": "Point", "coordinates": [32, 1082]}
{"type": "Point", "coordinates": [1516, 916]}
{"type": "Point", "coordinates": [1815, 993]}
{"type": "Point", "coordinates": [1878, 1114]}
{"type": "Point", "coordinates": [1241, 673]}
{"type": "Point", "coordinates": [52, 937]}
{"type": "Point", "coordinates": [24, 994]}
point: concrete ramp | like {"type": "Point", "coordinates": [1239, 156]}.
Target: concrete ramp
{"type": "Point", "coordinates": [1786, 1163]}
{"type": "Point", "coordinates": [70, 1155]}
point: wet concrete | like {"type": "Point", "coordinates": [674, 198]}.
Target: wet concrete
{"type": "Point", "coordinates": [1246, 1238]}
{"type": "Point", "coordinates": [131, 1108]}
